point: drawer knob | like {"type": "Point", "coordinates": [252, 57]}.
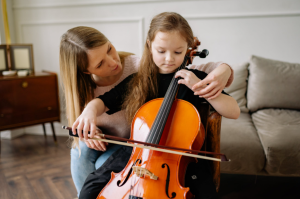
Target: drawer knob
{"type": "Point", "coordinates": [25, 84]}
{"type": "Point", "coordinates": [49, 108]}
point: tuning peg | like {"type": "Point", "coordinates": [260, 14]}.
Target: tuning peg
{"type": "Point", "coordinates": [202, 54]}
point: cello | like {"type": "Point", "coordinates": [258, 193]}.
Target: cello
{"type": "Point", "coordinates": [163, 121]}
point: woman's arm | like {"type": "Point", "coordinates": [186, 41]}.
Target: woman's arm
{"type": "Point", "coordinates": [219, 76]}
{"type": "Point", "coordinates": [87, 120]}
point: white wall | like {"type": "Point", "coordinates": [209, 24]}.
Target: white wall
{"type": "Point", "coordinates": [232, 30]}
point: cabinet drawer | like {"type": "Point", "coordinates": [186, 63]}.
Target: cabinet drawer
{"type": "Point", "coordinates": [36, 93]}
{"type": "Point", "coordinates": [28, 100]}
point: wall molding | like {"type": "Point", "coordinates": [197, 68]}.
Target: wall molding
{"type": "Point", "coordinates": [139, 20]}
{"type": "Point", "coordinates": [91, 3]}
{"type": "Point", "coordinates": [243, 15]}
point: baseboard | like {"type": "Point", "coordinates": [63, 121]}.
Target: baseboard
{"type": "Point", "coordinates": [38, 129]}
{"type": "Point", "coordinates": [10, 134]}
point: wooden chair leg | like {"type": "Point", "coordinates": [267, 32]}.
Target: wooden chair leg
{"type": "Point", "coordinates": [213, 143]}
{"type": "Point", "coordinates": [45, 135]}
{"type": "Point", "coordinates": [54, 136]}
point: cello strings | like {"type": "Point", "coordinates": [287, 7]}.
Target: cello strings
{"type": "Point", "coordinates": [162, 113]}
{"type": "Point", "coordinates": [169, 102]}
{"type": "Point", "coordinates": [166, 105]}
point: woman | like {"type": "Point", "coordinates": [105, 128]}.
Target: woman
{"type": "Point", "coordinates": [91, 66]}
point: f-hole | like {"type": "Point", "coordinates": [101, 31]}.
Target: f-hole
{"type": "Point", "coordinates": [129, 173]}
{"type": "Point", "coordinates": [168, 181]}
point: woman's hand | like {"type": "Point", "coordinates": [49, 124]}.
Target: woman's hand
{"type": "Point", "coordinates": [211, 86]}
{"type": "Point", "coordinates": [188, 78]}
{"type": "Point", "coordinates": [87, 120]}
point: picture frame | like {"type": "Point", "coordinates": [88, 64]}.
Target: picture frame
{"type": "Point", "coordinates": [3, 58]}
{"type": "Point", "coordinates": [21, 56]}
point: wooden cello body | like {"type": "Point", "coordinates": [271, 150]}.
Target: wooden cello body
{"type": "Point", "coordinates": [183, 129]}
{"type": "Point", "coordinates": [165, 121]}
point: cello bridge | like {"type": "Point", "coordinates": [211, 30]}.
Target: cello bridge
{"type": "Point", "coordinates": [141, 172]}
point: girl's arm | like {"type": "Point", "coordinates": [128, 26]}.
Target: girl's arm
{"type": "Point", "coordinates": [219, 76]}
{"type": "Point", "coordinates": [226, 106]}
{"type": "Point", "coordinates": [87, 120]}
{"type": "Point", "coordinates": [223, 104]}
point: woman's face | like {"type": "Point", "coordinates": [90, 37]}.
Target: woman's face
{"type": "Point", "coordinates": [168, 51]}
{"type": "Point", "coordinates": [104, 61]}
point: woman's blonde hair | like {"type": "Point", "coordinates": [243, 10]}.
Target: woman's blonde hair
{"type": "Point", "coordinates": [73, 59]}
{"type": "Point", "coordinates": [143, 86]}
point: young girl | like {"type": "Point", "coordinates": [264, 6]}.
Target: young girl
{"type": "Point", "coordinates": [168, 39]}
{"type": "Point", "coordinates": [90, 66]}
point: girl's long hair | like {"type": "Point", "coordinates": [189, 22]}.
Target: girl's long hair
{"type": "Point", "coordinates": [143, 86]}
{"type": "Point", "coordinates": [73, 59]}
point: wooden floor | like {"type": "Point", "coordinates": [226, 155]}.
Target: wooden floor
{"type": "Point", "coordinates": [34, 168]}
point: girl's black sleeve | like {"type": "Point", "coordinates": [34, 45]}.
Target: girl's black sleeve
{"type": "Point", "coordinates": [114, 98]}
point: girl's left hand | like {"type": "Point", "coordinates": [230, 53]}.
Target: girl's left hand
{"type": "Point", "coordinates": [188, 78]}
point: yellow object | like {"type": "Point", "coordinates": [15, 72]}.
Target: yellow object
{"type": "Point", "coordinates": [25, 84]}
{"type": "Point", "coordinates": [5, 22]}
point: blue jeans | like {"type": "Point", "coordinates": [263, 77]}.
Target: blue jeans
{"type": "Point", "coordinates": [88, 162]}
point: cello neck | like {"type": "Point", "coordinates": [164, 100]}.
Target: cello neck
{"type": "Point", "coordinates": [163, 113]}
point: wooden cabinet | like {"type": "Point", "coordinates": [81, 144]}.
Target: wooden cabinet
{"type": "Point", "coordinates": [29, 100]}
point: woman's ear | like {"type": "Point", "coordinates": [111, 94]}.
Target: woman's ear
{"type": "Point", "coordinates": [149, 46]}
{"type": "Point", "coordinates": [87, 73]}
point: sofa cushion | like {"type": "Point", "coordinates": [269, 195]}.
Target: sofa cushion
{"type": "Point", "coordinates": [279, 132]}
{"type": "Point", "coordinates": [273, 84]}
{"type": "Point", "coordinates": [238, 87]}
{"type": "Point", "coordinates": [240, 143]}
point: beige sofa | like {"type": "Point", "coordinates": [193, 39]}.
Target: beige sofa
{"type": "Point", "coordinates": [265, 139]}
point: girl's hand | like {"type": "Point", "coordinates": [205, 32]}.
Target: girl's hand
{"type": "Point", "coordinates": [211, 86]}
{"type": "Point", "coordinates": [188, 78]}
{"type": "Point", "coordinates": [86, 122]}
{"type": "Point", "coordinates": [96, 144]}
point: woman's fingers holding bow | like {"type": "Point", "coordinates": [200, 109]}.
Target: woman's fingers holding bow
{"type": "Point", "coordinates": [84, 123]}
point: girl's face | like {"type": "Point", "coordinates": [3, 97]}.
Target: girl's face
{"type": "Point", "coordinates": [104, 61]}
{"type": "Point", "coordinates": [168, 51]}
